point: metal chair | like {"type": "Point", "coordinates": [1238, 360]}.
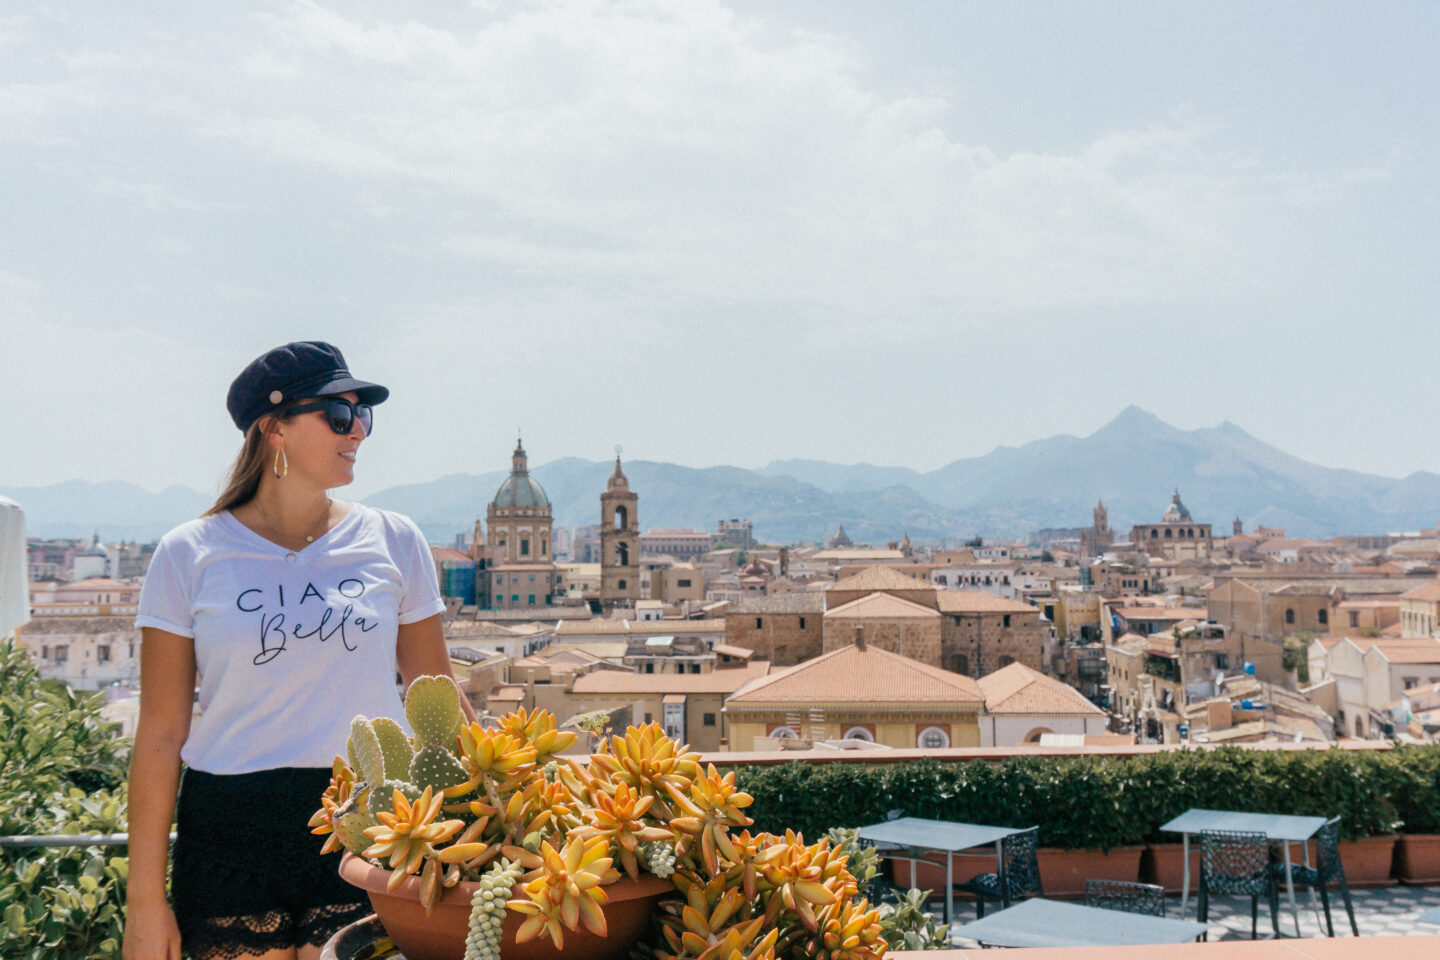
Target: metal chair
{"type": "Point", "coordinates": [1327, 870]}
{"type": "Point", "coordinates": [1148, 898]}
{"type": "Point", "coordinates": [1237, 863]}
{"type": "Point", "coordinates": [1020, 871]}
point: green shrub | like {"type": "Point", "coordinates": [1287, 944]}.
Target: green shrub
{"type": "Point", "coordinates": [1100, 802]}
{"type": "Point", "coordinates": [61, 771]}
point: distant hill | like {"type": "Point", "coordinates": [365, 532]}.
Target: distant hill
{"type": "Point", "coordinates": [1133, 463]}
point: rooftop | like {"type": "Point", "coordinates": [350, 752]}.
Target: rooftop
{"type": "Point", "coordinates": [1018, 690]}
{"type": "Point", "coordinates": [624, 682]}
{"type": "Point", "coordinates": [861, 674]}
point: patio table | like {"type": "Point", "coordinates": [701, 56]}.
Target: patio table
{"type": "Point", "coordinates": [944, 836]}
{"type": "Point", "coordinates": [1278, 828]}
{"type": "Point", "coordinates": [1053, 923]}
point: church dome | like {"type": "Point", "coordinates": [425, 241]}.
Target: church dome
{"type": "Point", "coordinates": [1176, 512]}
{"type": "Point", "coordinates": [520, 489]}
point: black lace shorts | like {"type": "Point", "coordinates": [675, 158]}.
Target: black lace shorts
{"type": "Point", "coordinates": [248, 876]}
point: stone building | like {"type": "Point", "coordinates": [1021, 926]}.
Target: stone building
{"type": "Point", "coordinates": [1420, 610]}
{"type": "Point", "coordinates": [619, 543]}
{"type": "Point", "coordinates": [981, 633]}
{"type": "Point", "coordinates": [1022, 705]}
{"type": "Point", "coordinates": [83, 633]}
{"type": "Point", "coordinates": [886, 622]}
{"type": "Point", "coordinates": [784, 628]}
{"type": "Point", "coordinates": [1176, 537]}
{"type": "Point", "coordinates": [520, 568]}
{"type": "Point", "coordinates": [858, 692]}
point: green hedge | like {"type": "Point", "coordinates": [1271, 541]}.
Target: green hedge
{"type": "Point", "coordinates": [1100, 802]}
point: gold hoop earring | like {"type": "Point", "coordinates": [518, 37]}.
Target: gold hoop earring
{"type": "Point", "coordinates": [281, 466]}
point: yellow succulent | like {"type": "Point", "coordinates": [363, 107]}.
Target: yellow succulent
{"type": "Point", "coordinates": [342, 784]}
{"type": "Point", "coordinates": [850, 930]}
{"type": "Point", "coordinates": [491, 753]}
{"type": "Point", "coordinates": [649, 762]}
{"type": "Point", "coordinates": [711, 808]}
{"type": "Point", "coordinates": [537, 729]}
{"type": "Point", "coordinates": [618, 820]}
{"type": "Point", "coordinates": [566, 892]}
{"type": "Point", "coordinates": [794, 874]}
{"type": "Point", "coordinates": [409, 834]}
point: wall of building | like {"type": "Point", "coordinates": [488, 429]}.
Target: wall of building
{"type": "Point", "coordinates": [963, 731]}
{"type": "Point", "coordinates": [1010, 731]}
{"type": "Point", "coordinates": [914, 637]}
{"type": "Point", "coordinates": [784, 639]}
{"type": "Point", "coordinates": [976, 644]}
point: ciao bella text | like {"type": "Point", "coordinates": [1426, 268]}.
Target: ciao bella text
{"type": "Point", "coordinates": [319, 619]}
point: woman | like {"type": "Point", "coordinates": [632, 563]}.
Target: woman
{"type": "Point", "coordinates": [295, 612]}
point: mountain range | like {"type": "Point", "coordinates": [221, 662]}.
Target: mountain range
{"type": "Point", "coordinates": [1133, 463]}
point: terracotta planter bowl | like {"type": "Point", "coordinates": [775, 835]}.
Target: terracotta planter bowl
{"type": "Point", "coordinates": [441, 936]}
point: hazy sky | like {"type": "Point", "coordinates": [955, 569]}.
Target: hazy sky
{"type": "Point", "coordinates": [894, 232]}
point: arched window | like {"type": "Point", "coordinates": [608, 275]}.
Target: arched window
{"type": "Point", "coordinates": [934, 738]}
{"type": "Point", "coordinates": [622, 517]}
{"type": "Point", "coordinates": [1323, 616]}
{"type": "Point", "coordinates": [1153, 534]}
{"type": "Point", "coordinates": [1167, 533]}
{"type": "Point", "coordinates": [622, 554]}
{"type": "Point", "coordinates": [859, 733]}
{"type": "Point", "coordinates": [784, 733]}
{"type": "Point", "coordinates": [620, 585]}
{"type": "Point", "coordinates": [1006, 660]}
{"type": "Point", "coordinates": [1289, 615]}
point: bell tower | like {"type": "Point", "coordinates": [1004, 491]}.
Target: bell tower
{"type": "Point", "coordinates": [619, 542]}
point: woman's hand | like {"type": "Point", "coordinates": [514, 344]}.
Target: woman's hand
{"type": "Point", "coordinates": [150, 931]}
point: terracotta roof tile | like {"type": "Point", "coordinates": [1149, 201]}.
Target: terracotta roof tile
{"type": "Point", "coordinates": [1430, 591]}
{"type": "Point", "coordinates": [977, 601]}
{"type": "Point", "coordinates": [879, 578]}
{"type": "Point", "coordinates": [1408, 650]}
{"type": "Point", "coordinates": [593, 628]}
{"type": "Point", "coordinates": [866, 675]}
{"type": "Point", "coordinates": [717, 681]}
{"type": "Point", "coordinates": [882, 606]}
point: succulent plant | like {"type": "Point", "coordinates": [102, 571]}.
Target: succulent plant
{"type": "Point", "coordinates": [566, 891]}
{"type": "Point", "coordinates": [544, 835]}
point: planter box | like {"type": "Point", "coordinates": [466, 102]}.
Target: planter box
{"type": "Point", "coordinates": [1417, 858]}
{"type": "Point", "coordinates": [1367, 861]}
{"type": "Point", "coordinates": [1164, 863]}
{"type": "Point", "coordinates": [1064, 872]}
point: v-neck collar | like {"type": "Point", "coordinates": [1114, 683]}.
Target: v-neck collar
{"type": "Point", "coordinates": [281, 549]}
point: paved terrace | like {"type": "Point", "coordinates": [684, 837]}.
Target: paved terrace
{"type": "Point", "coordinates": [1380, 913]}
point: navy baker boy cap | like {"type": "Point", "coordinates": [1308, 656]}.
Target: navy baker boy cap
{"type": "Point", "coordinates": [285, 375]}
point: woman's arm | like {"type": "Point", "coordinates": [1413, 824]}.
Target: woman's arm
{"type": "Point", "coordinates": [167, 698]}
{"type": "Point", "coordinates": [420, 650]}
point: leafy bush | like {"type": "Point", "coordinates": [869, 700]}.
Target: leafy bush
{"type": "Point", "coordinates": [61, 771]}
{"type": "Point", "coordinates": [1101, 802]}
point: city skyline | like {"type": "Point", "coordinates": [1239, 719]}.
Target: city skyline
{"type": "Point", "coordinates": [990, 224]}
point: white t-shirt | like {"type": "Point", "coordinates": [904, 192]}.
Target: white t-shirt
{"type": "Point", "coordinates": [289, 645]}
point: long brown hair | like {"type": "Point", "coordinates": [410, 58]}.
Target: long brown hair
{"type": "Point", "coordinates": [253, 460]}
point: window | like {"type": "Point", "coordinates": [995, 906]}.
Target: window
{"type": "Point", "coordinates": [620, 585]}
{"type": "Point", "coordinates": [1153, 534]}
{"type": "Point", "coordinates": [524, 547]}
{"type": "Point", "coordinates": [1289, 615]}
{"type": "Point", "coordinates": [1354, 618]}
{"type": "Point", "coordinates": [682, 583]}
{"type": "Point", "coordinates": [709, 719]}
{"type": "Point", "coordinates": [1006, 660]}
{"type": "Point", "coordinates": [62, 652]}
{"type": "Point", "coordinates": [758, 623]}
{"type": "Point", "coordinates": [783, 733]}
{"type": "Point", "coordinates": [802, 623]}
{"type": "Point", "coordinates": [1007, 620]}
{"type": "Point", "coordinates": [649, 668]}
{"type": "Point", "coordinates": [499, 578]}
{"type": "Point", "coordinates": [1222, 661]}
{"type": "Point", "coordinates": [934, 738]}
{"type": "Point", "coordinates": [515, 598]}
{"type": "Point", "coordinates": [532, 599]}
{"type": "Point", "coordinates": [649, 717]}
{"type": "Point", "coordinates": [45, 652]}
{"type": "Point", "coordinates": [962, 663]}
{"type": "Point", "coordinates": [1410, 682]}
{"type": "Point", "coordinates": [102, 653]}
{"type": "Point", "coordinates": [1167, 534]}
{"type": "Point", "coordinates": [859, 733]}
{"type": "Point", "coordinates": [1323, 616]}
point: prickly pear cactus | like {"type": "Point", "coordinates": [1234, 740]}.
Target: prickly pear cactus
{"type": "Point", "coordinates": [350, 829]}
{"type": "Point", "coordinates": [487, 910]}
{"type": "Point", "coordinates": [395, 746]}
{"type": "Point", "coordinates": [367, 757]}
{"type": "Point", "coordinates": [437, 768]}
{"type": "Point", "coordinates": [432, 705]}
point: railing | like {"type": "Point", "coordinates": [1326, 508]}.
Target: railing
{"type": "Point", "coordinates": [70, 840]}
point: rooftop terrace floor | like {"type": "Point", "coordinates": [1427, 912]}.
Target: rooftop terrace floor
{"type": "Point", "coordinates": [1379, 912]}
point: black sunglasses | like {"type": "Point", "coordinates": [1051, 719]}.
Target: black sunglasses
{"type": "Point", "coordinates": [340, 413]}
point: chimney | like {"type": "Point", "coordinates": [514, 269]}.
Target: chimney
{"type": "Point", "coordinates": [860, 636]}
